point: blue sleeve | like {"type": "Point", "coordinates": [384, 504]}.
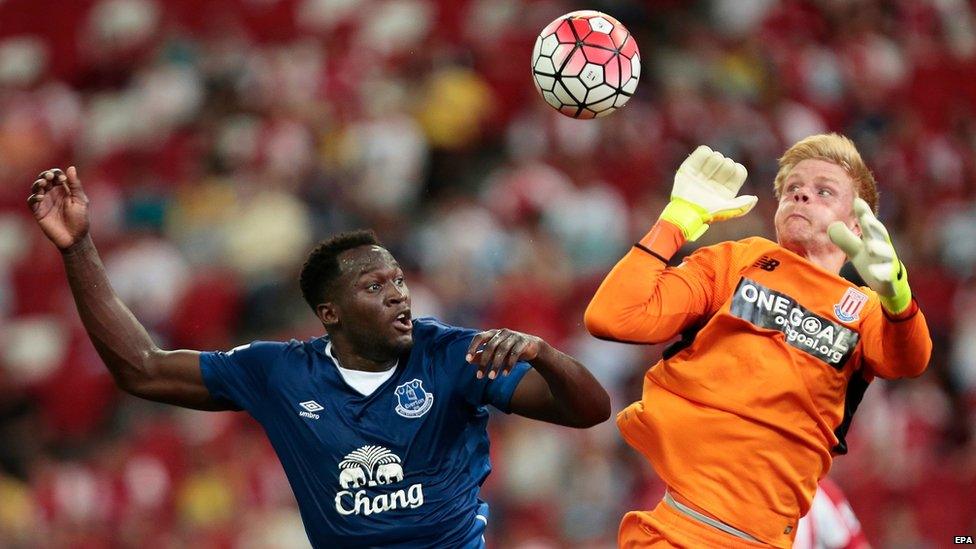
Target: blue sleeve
{"type": "Point", "coordinates": [478, 392]}
{"type": "Point", "coordinates": [239, 377]}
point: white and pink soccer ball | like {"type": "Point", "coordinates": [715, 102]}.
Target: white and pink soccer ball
{"type": "Point", "coordinates": [586, 64]}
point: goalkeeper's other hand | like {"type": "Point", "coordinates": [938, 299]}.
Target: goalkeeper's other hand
{"type": "Point", "coordinates": [705, 189]}
{"type": "Point", "coordinates": [874, 258]}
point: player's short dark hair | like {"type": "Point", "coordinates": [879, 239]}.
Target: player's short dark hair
{"type": "Point", "coordinates": [322, 269]}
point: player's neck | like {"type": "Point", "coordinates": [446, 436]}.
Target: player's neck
{"type": "Point", "coordinates": [348, 358]}
{"type": "Point", "coordinates": [830, 259]}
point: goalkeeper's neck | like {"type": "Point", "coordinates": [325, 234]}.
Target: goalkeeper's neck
{"type": "Point", "coordinates": [825, 255]}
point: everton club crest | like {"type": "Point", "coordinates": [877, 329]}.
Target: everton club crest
{"type": "Point", "coordinates": [412, 400]}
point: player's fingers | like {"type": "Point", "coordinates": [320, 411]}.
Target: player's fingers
{"type": "Point", "coordinates": [724, 172]}
{"type": "Point", "coordinates": [712, 165]}
{"type": "Point", "coordinates": [48, 174]}
{"type": "Point", "coordinates": [884, 273]}
{"type": "Point", "coordinates": [40, 186]}
{"type": "Point", "coordinates": [480, 347]}
{"type": "Point", "coordinates": [861, 208]}
{"type": "Point", "coordinates": [872, 228]}
{"type": "Point", "coordinates": [862, 211]}
{"type": "Point", "coordinates": [73, 181]}
{"type": "Point", "coordinates": [844, 238]}
{"type": "Point", "coordinates": [866, 218]}
{"type": "Point", "coordinates": [696, 159]}
{"type": "Point", "coordinates": [880, 250]}
{"type": "Point", "coordinates": [875, 232]}
{"type": "Point", "coordinates": [499, 359]}
{"type": "Point", "coordinates": [489, 357]}
{"type": "Point", "coordinates": [62, 180]}
{"type": "Point", "coordinates": [476, 342]}
{"type": "Point", "coordinates": [515, 355]}
{"type": "Point", "coordinates": [732, 175]}
{"type": "Point", "coordinates": [737, 207]}
{"type": "Point", "coordinates": [739, 177]}
{"type": "Point", "coordinates": [37, 204]}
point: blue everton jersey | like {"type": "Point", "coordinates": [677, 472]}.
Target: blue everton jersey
{"type": "Point", "coordinates": [400, 467]}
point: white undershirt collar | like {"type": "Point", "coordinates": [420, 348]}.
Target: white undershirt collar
{"type": "Point", "coordinates": [365, 383]}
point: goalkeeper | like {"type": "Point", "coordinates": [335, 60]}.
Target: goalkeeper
{"type": "Point", "coordinates": [744, 414]}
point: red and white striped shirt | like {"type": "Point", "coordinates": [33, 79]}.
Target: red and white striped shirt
{"type": "Point", "coordinates": [831, 523]}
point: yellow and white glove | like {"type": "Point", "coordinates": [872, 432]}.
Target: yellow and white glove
{"type": "Point", "coordinates": [874, 258]}
{"type": "Point", "coordinates": [704, 191]}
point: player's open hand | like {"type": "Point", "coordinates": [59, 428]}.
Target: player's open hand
{"type": "Point", "coordinates": [495, 352]}
{"type": "Point", "coordinates": [60, 206]}
{"type": "Point", "coordinates": [705, 191]}
{"type": "Point", "coordinates": [873, 255]}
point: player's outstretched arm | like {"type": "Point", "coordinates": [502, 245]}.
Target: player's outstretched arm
{"type": "Point", "coordinates": [61, 209]}
{"type": "Point", "coordinates": [901, 345]}
{"type": "Point", "coordinates": [557, 389]}
{"type": "Point", "coordinates": [641, 300]}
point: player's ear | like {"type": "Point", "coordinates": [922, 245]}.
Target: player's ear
{"type": "Point", "coordinates": [328, 313]}
{"type": "Point", "coordinates": [852, 222]}
{"type": "Point", "coordinates": [855, 226]}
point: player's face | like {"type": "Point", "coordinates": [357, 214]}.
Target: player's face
{"type": "Point", "coordinates": [373, 303]}
{"type": "Point", "coordinates": [814, 195]}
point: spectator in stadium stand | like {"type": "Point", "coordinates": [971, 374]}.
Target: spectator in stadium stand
{"type": "Point", "coordinates": [830, 523]}
{"type": "Point", "coordinates": [744, 414]}
{"type": "Point", "coordinates": [380, 425]}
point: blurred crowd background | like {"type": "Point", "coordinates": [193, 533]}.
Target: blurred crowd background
{"type": "Point", "coordinates": [219, 139]}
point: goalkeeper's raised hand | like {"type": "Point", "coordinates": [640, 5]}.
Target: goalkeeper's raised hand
{"type": "Point", "coordinates": [705, 189]}
{"type": "Point", "coordinates": [874, 258]}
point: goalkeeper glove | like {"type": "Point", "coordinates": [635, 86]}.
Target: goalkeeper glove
{"type": "Point", "coordinates": [874, 258]}
{"type": "Point", "coordinates": [704, 191]}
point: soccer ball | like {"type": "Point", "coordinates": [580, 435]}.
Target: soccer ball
{"type": "Point", "coordinates": [585, 64]}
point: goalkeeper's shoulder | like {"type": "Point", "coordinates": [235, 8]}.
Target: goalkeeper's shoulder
{"type": "Point", "coordinates": [734, 252]}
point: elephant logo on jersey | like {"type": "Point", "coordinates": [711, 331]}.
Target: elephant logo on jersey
{"type": "Point", "coordinates": [412, 400]}
{"type": "Point", "coordinates": [369, 467]}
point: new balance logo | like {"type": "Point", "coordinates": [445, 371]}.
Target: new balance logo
{"type": "Point", "coordinates": [766, 263]}
{"type": "Point", "coordinates": [310, 408]}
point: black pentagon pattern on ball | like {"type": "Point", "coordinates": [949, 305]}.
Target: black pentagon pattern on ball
{"type": "Point", "coordinates": [590, 105]}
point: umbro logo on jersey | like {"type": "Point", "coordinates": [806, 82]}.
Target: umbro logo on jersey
{"type": "Point", "coordinates": [766, 263]}
{"type": "Point", "coordinates": [310, 408]}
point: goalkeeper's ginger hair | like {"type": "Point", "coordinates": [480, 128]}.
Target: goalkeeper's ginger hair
{"type": "Point", "coordinates": [834, 148]}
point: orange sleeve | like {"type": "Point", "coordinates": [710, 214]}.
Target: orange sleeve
{"type": "Point", "coordinates": [897, 346]}
{"type": "Point", "coordinates": [642, 300]}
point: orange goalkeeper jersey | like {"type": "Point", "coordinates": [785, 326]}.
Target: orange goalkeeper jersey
{"type": "Point", "coordinates": [742, 416]}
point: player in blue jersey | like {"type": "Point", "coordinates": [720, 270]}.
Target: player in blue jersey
{"type": "Point", "coordinates": [380, 424]}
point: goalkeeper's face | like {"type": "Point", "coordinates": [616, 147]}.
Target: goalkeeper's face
{"type": "Point", "coordinates": [814, 195]}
